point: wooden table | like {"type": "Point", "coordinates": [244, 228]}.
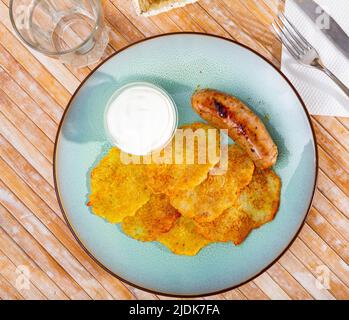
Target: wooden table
{"type": "Point", "coordinates": [34, 240]}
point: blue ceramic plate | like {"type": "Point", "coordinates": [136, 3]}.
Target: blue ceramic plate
{"type": "Point", "coordinates": [179, 63]}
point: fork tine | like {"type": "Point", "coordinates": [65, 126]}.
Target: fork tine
{"type": "Point", "coordinates": [291, 31]}
{"type": "Point", "coordinates": [289, 38]}
{"type": "Point", "coordinates": [283, 18]}
{"type": "Point", "coordinates": [285, 42]}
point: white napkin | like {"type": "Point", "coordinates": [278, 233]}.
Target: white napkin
{"type": "Point", "coordinates": [320, 94]}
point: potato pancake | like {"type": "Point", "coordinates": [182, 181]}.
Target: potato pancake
{"type": "Point", "coordinates": [117, 189]}
{"type": "Point", "coordinates": [193, 152]}
{"type": "Point", "coordinates": [207, 201]}
{"type": "Point", "coordinates": [233, 225]}
{"type": "Point", "coordinates": [183, 238]}
{"type": "Point", "coordinates": [157, 216]}
{"type": "Point", "coordinates": [261, 198]}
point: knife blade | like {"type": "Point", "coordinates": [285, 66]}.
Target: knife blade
{"type": "Point", "coordinates": [334, 32]}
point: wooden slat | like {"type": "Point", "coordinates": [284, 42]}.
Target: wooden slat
{"type": "Point", "coordinates": [9, 271]}
{"type": "Point", "coordinates": [339, 221]}
{"type": "Point", "coordinates": [255, 28]}
{"type": "Point", "coordinates": [333, 193]}
{"type": "Point", "coordinates": [253, 292]}
{"type": "Point", "coordinates": [297, 269]}
{"type": "Point", "coordinates": [344, 121]}
{"type": "Point", "coordinates": [30, 85]}
{"type": "Point", "coordinates": [271, 288]}
{"type": "Point", "coordinates": [37, 276]}
{"type": "Point", "coordinates": [335, 173]}
{"type": "Point", "coordinates": [38, 254]}
{"type": "Point", "coordinates": [312, 264]}
{"type": "Point", "coordinates": [47, 240]}
{"type": "Point", "coordinates": [26, 126]}
{"type": "Point", "coordinates": [336, 129]}
{"type": "Point", "coordinates": [328, 233]}
{"type": "Point", "coordinates": [183, 21]}
{"type": "Point", "coordinates": [234, 295]}
{"type": "Point", "coordinates": [328, 255]}
{"type": "Point", "coordinates": [331, 146]}
{"type": "Point", "coordinates": [27, 105]}
{"type": "Point", "coordinates": [119, 22]}
{"type": "Point", "coordinates": [288, 283]}
{"type": "Point", "coordinates": [143, 295]}
{"type": "Point", "coordinates": [20, 142]}
{"type": "Point", "coordinates": [33, 67]}
{"type": "Point", "coordinates": [202, 18]}
{"type": "Point", "coordinates": [56, 226]}
{"type": "Point", "coordinates": [7, 291]}
{"type": "Point", "coordinates": [34, 93]}
{"type": "Point", "coordinates": [232, 25]}
{"type": "Point", "coordinates": [28, 174]}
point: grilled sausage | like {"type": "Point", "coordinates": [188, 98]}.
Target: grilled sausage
{"type": "Point", "coordinates": [243, 125]}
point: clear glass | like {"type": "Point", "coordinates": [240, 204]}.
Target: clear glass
{"type": "Point", "coordinates": [69, 30]}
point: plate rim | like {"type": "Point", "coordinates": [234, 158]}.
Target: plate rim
{"type": "Point", "coordinates": [61, 203]}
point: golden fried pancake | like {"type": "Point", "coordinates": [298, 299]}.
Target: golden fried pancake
{"type": "Point", "coordinates": [189, 161]}
{"type": "Point", "coordinates": [232, 225]}
{"type": "Point", "coordinates": [183, 238]}
{"type": "Point", "coordinates": [157, 216]}
{"type": "Point", "coordinates": [261, 198]}
{"type": "Point", "coordinates": [117, 189]}
{"type": "Point", "coordinates": [207, 201]}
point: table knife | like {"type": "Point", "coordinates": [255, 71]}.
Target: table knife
{"type": "Point", "coordinates": [334, 33]}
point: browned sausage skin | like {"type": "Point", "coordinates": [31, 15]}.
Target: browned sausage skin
{"type": "Point", "coordinates": [243, 125]}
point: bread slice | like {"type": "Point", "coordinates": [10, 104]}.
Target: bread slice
{"type": "Point", "coordinates": [153, 7]}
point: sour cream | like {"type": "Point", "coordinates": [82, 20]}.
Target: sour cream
{"type": "Point", "coordinates": [140, 118]}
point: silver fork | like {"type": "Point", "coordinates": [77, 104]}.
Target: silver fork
{"type": "Point", "coordinates": [301, 49]}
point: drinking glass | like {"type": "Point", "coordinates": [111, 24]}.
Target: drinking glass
{"type": "Point", "coordinates": [69, 30]}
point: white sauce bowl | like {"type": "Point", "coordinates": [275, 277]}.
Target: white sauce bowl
{"type": "Point", "coordinates": [140, 118]}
